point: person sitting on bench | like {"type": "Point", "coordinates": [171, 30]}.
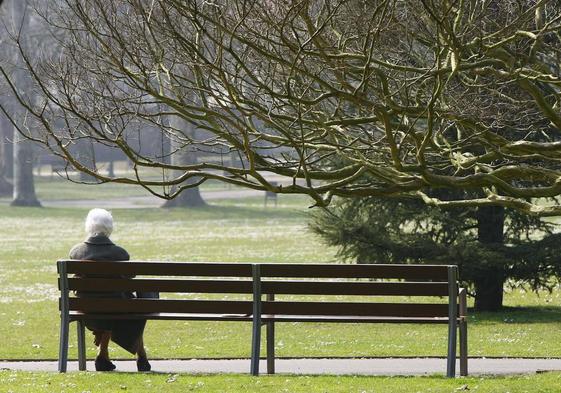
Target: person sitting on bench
{"type": "Point", "coordinates": [126, 333]}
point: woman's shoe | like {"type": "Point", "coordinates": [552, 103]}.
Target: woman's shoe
{"type": "Point", "coordinates": [142, 364]}
{"type": "Point", "coordinates": [103, 364]}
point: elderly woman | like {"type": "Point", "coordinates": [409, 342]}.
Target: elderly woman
{"type": "Point", "coordinates": [126, 333]}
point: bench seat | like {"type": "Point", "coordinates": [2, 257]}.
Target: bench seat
{"type": "Point", "coordinates": [78, 316]}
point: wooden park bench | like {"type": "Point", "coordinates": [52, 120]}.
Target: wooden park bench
{"type": "Point", "coordinates": [297, 284]}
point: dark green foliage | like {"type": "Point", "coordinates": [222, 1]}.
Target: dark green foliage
{"type": "Point", "coordinates": [374, 230]}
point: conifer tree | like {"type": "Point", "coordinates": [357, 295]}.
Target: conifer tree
{"type": "Point", "coordinates": [493, 246]}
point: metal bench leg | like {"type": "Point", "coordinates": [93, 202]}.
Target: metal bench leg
{"type": "Point", "coordinates": [451, 360]}
{"type": "Point", "coordinates": [452, 321]}
{"type": "Point", "coordinates": [64, 317]}
{"type": "Point", "coordinates": [256, 331]}
{"type": "Point", "coordinates": [255, 347]}
{"type": "Point", "coordinates": [270, 340]}
{"type": "Point", "coordinates": [270, 347]}
{"type": "Point", "coordinates": [63, 344]}
{"type": "Point", "coordinates": [463, 349]}
{"type": "Point", "coordinates": [81, 345]}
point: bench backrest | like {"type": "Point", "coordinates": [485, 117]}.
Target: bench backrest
{"type": "Point", "coordinates": [260, 279]}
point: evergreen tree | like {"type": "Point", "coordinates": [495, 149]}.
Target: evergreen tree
{"type": "Point", "coordinates": [491, 245]}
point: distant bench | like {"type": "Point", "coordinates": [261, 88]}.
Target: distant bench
{"type": "Point", "coordinates": [300, 281]}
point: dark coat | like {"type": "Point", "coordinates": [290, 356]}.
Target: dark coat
{"type": "Point", "coordinates": [126, 333]}
{"type": "Point", "coordinates": [100, 248]}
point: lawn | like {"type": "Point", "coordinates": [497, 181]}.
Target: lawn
{"type": "Point", "coordinates": [32, 239]}
{"type": "Point", "coordinates": [22, 382]}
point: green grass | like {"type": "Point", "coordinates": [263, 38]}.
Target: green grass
{"type": "Point", "coordinates": [55, 188]}
{"type": "Point", "coordinates": [31, 240]}
{"type": "Point", "coordinates": [23, 382]}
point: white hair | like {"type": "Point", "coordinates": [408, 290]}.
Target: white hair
{"type": "Point", "coordinates": [99, 222]}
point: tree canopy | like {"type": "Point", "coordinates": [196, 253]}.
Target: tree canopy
{"type": "Point", "coordinates": [404, 97]}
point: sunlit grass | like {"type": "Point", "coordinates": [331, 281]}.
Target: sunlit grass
{"type": "Point", "coordinates": [32, 239]}
{"type": "Point", "coordinates": [24, 382]}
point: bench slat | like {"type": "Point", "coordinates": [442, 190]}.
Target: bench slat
{"type": "Point", "coordinates": [159, 268]}
{"type": "Point", "coordinates": [74, 315]}
{"type": "Point", "coordinates": [408, 272]}
{"type": "Point", "coordinates": [274, 287]}
{"type": "Point", "coordinates": [355, 288]}
{"type": "Point", "coordinates": [265, 318]}
{"type": "Point", "coordinates": [111, 305]}
{"type": "Point", "coordinates": [356, 309]}
{"type": "Point", "coordinates": [352, 319]}
{"type": "Point", "coordinates": [149, 285]}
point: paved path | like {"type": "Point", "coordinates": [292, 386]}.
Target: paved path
{"type": "Point", "coordinates": [386, 366]}
{"type": "Point", "coordinates": [150, 201]}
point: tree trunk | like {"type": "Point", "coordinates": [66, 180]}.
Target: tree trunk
{"type": "Point", "coordinates": [111, 169]}
{"type": "Point", "coordinates": [489, 281]}
{"type": "Point", "coordinates": [6, 156]}
{"type": "Point", "coordinates": [85, 153]}
{"type": "Point", "coordinates": [191, 197]}
{"type": "Point", "coordinates": [184, 155]}
{"type": "Point", "coordinates": [24, 187]}
{"type": "Point", "coordinates": [8, 148]}
{"type": "Point", "coordinates": [489, 291]}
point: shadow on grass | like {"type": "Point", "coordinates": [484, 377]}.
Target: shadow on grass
{"type": "Point", "coordinates": [518, 315]}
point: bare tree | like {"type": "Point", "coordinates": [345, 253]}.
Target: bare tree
{"type": "Point", "coordinates": [18, 22]}
{"type": "Point", "coordinates": [359, 98]}
{"type": "Point", "coordinates": [6, 136]}
{"type": "Point", "coordinates": [6, 156]}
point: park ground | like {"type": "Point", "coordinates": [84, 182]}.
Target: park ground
{"type": "Point", "coordinates": [232, 230]}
